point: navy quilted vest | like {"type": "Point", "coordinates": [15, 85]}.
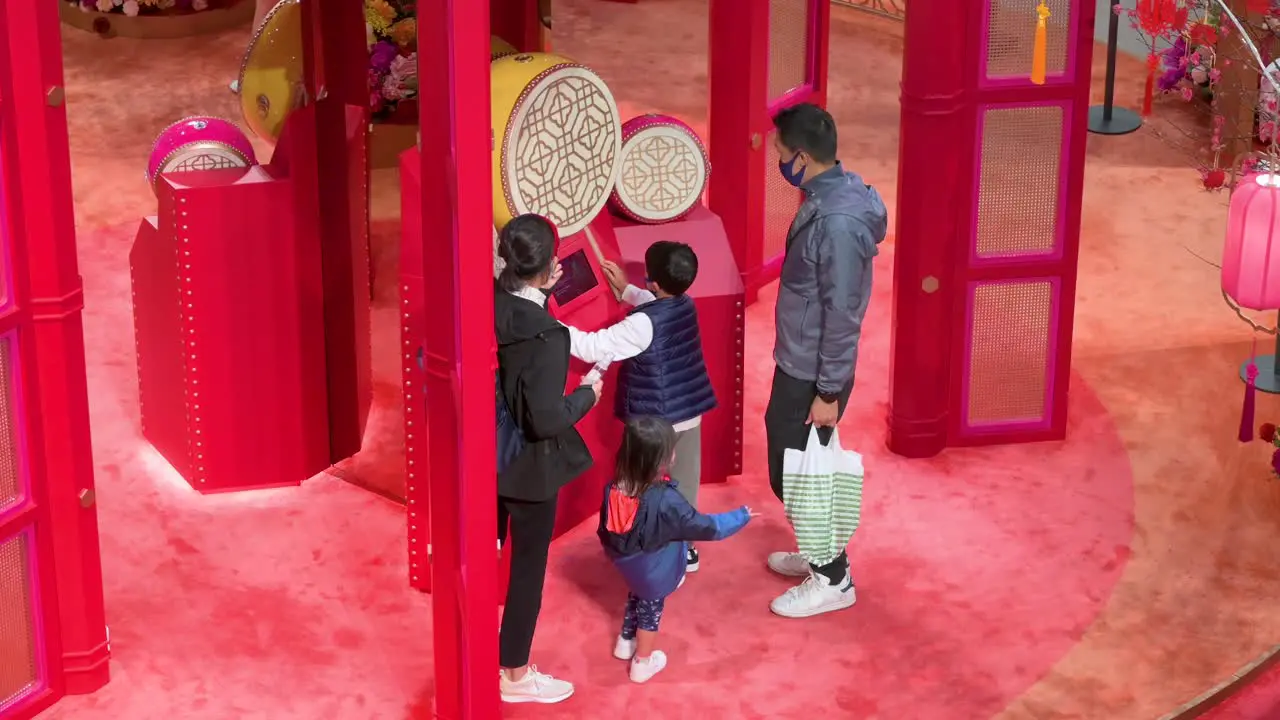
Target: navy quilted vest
{"type": "Point", "coordinates": [669, 380]}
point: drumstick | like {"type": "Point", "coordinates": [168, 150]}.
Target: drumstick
{"type": "Point", "coordinates": [595, 247]}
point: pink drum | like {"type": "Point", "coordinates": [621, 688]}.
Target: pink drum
{"type": "Point", "coordinates": [663, 172]}
{"type": "Point", "coordinates": [199, 143]}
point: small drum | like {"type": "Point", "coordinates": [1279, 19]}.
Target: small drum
{"type": "Point", "coordinates": [271, 73]}
{"type": "Point", "coordinates": [663, 172]}
{"type": "Point", "coordinates": [558, 140]}
{"type": "Point", "coordinates": [198, 143]}
{"type": "Point", "coordinates": [500, 48]}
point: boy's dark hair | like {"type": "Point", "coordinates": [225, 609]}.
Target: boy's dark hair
{"type": "Point", "coordinates": [647, 447]}
{"type": "Point", "coordinates": [809, 129]}
{"type": "Point", "coordinates": [672, 266]}
{"type": "Point", "coordinates": [527, 245]}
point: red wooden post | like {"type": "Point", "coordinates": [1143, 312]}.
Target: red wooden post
{"type": "Point", "coordinates": [457, 209]}
{"type": "Point", "coordinates": [739, 56]}
{"type": "Point", "coordinates": [517, 22]}
{"type": "Point", "coordinates": [58, 398]}
{"type": "Point", "coordinates": [338, 68]}
{"type": "Point", "coordinates": [936, 119]}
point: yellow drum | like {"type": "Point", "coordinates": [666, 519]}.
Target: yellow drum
{"type": "Point", "coordinates": [271, 73]}
{"type": "Point", "coordinates": [557, 140]}
{"type": "Point", "coordinates": [500, 48]}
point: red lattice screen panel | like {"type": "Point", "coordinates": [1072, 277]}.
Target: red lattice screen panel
{"type": "Point", "coordinates": [789, 26]}
{"type": "Point", "coordinates": [20, 672]}
{"type": "Point", "coordinates": [1010, 38]}
{"type": "Point", "coordinates": [781, 200]}
{"type": "Point", "coordinates": [1009, 353]}
{"type": "Point", "coordinates": [12, 485]}
{"type": "Point", "coordinates": [1020, 154]}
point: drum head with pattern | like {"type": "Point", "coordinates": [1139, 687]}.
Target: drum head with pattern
{"type": "Point", "coordinates": [663, 173]}
{"type": "Point", "coordinates": [271, 74]}
{"type": "Point", "coordinates": [561, 149]}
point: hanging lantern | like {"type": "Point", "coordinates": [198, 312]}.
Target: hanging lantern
{"type": "Point", "coordinates": [1158, 19]}
{"type": "Point", "coordinates": [1251, 260]}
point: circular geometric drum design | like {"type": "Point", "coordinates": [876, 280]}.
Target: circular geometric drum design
{"type": "Point", "coordinates": [559, 140]}
{"type": "Point", "coordinates": [271, 73]}
{"type": "Point", "coordinates": [664, 170]}
{"type": "Point", "coordinates": [198, 143]}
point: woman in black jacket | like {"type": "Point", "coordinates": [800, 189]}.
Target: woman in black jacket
{"type": "Point", "coordinates": [533, 369]}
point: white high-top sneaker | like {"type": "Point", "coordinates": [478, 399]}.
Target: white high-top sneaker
{"type": "Point", "coordinates": [788, 564]}
{"type": "Point", "coordinates": [534, 687]}
{"type": "Point", "coordinates": [624, 649]}
{"type": "Point", "coordinates": [814, 596]}
{"type": "Point", "coordinates": [644, 670]}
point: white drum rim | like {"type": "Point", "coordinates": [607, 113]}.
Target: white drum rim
{"type": "Point", "coordinates": [515, 120]}
{"type": "Point", "coordinates": [623, 200]}
{"type": "Point", "coordinates": [164, 163]}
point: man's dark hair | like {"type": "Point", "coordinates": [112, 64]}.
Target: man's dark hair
{"type": "Point", "coordinates": [672, 266]}
{"type": "Point", "coordinates": [807, 128]}
{"type": "Point", "coordinates": [527, 245]}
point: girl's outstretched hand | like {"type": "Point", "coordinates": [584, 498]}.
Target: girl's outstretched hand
{"type": "Point", "coordinates": [750, 512]}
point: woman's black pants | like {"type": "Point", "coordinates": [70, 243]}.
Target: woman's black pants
{"type": "Point", "coordinates": [532, 524]}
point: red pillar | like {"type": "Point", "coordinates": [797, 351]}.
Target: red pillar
{"type": "Point", "coordinates": [518, 22]}
{"type": "Point", "coordinates": [457, 272]}
{"type": "Point", "coordinates": [56, 301]}
{"type": "Point", "coordinates": [936, 119]}
{"type": "Point", "coordinates": [738, 38]}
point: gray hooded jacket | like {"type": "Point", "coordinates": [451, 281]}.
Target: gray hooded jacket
{"type": "Point", "coordinates": [826, 279]}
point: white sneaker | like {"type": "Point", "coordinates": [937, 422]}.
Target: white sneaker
{"type": "Point", "coordinates": [814, 596]}
{"type": "Point", "coordinates": [534, 687]}
{"type": "Point", "coordinates": [644, 670]}
{"type": "Point", "coordinates": [624, 649]}
{"type": "Point", "coordinates": [788, 564]}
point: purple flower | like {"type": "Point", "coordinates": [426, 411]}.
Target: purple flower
{"type": "Point", "coordinates": [1275, 461]}
{"type": "Point", "coordinates": [382, 54]}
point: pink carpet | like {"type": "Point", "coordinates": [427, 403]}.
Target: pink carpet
{"type": "Point", "coordinates": [977, 571]}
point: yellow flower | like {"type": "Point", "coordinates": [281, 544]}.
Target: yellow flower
{"type": "Point", "coordinates": [405, 32]}
{"type": "Point", "coordinates": [380, 9]}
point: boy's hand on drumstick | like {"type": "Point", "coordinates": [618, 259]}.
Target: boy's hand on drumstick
{"type": "Point", "coordinates": [614, 274]}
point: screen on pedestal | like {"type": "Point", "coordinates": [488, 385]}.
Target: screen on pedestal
{"type": "Point", "coordinates": [576, 280]}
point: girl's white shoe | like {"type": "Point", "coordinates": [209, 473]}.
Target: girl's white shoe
{"type": "Point", "coordinates": [624, 649]}
{"type": "Point", "coordinates": [643, 670]}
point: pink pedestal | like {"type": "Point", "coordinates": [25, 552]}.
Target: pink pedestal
{"type": "Point", "coordinates": [230, 335]}
{"type": "Point", "coordinates": [718, 294]}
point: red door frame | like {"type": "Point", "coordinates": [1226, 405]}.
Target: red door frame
{"type": "Point", "coordinates": [44, 273]}
{"type": "Point", "coordinates": [739, 47]}
{"type": "Point", "coordinates": [457, 208]}
{"type": "Point", "coordinates": [944, 93]}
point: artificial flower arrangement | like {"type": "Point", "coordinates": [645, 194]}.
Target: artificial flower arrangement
{"type": "Point", "coordinates": [134, 8]}
{"type": "Point", "coordinates": [393, 59]}
{"type": "Point", "coordinates": [1267, 432]}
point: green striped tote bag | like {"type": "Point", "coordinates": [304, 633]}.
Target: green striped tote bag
{"type": "Point", "coordinates": [822, 493]}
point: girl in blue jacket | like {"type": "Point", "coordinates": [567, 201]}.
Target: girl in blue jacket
{"type": "Point", "coordinates": [645, 525]}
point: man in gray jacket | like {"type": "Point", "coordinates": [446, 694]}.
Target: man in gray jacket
{"type": "Point", "coordinates": [822, 298]}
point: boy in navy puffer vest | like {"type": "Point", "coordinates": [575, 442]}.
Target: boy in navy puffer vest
{"type": "Point", "coordinates": [663, 374]}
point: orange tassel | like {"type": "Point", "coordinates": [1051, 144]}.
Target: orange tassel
{"type": "Point", "coordinates": [1040, 50]}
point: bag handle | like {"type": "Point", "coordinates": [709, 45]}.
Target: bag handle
{"type": "Point", "coordinates": [816, 440]}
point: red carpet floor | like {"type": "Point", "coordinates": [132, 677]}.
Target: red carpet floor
{"type": "Point", "coordinates": [977, 571]}
{"type": "Point", "coordinates": [1259, 700]}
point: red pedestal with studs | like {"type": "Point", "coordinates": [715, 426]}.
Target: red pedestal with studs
{"type": "Point", "coordinates": [718, 295]}
{"type": "Point", "coordinates": [230, 333]}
